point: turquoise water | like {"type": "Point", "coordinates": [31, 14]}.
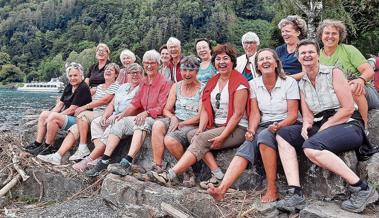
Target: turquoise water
{"type": "Point", "coordinates": [13, 105]}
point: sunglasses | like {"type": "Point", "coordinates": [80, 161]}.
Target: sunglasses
{"type": "Point", "coordinates": [218, 96]}
{"type": "Point", "coordinates": [74, 65]}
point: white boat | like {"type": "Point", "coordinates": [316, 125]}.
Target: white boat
{"type": "Point", "coordinates": [53, 86]}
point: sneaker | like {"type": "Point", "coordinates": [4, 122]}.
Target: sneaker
{"type": "Point", "coordinates": [93, 162]}
{"type": "Point", "coordinates": [359, 199]}
{"type": "Point", "coordinates": [121, 169]}
{"type": "Point", "coordinates": [37, 150]}
{"type": "Point", "coordinates": [213, 180]}
{"type": "Point", "coordinates": [162, 178]}
{"type": "Point", "coordinates": [97, 169]}
{"type": "Point", "coordinates": [50, 158]}
{"type": "Point", "coordinates": [30, 147]}
{"type": "Point", "coordinates": [82, 165]}
{"type": "Point", "coordinates": [189, 179]}
{"type": "Point", "coordinates": [51, 149]}
{"type": "Point", "coordinates": [292, 202]}
{"type": "Point", "coordinates": [80, 154]}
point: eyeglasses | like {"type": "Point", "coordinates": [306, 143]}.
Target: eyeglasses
{"type": "Point", "coordinates": [149, 63]}
{"type": "Point", "coordinates": [218, 96]}
{"type": "Point", "coordinates": [101, 51]}
{"type": "Point", "coordinates": [133, 72]}
{"type": "Point", "coordinates": [249, 42]}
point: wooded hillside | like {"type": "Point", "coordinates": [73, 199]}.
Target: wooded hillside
{"type": "Point", "coordinates": [38, 36]}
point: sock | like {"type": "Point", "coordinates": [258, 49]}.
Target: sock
{"type": "Point", "coordinates": [362, 184]}
{"type": "Point", "coordinates": [298, 190]}
{"type": "Point", "coordinates": [218, 173]}
{"type": "Point", "coordinates": [82, 147]}
{"type": "Point", "coordinates": [129, 158]}
{"type": "Point", "coordinates": [37, 143]}
{"type": "Point", "coordinates": [47, 145]}
{"type": "Point", "coordinates": [171, 174]}
{"type": "Point", "coordinates": [105, 159]}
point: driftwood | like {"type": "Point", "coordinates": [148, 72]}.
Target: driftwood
{"type": "Point", "coordinates": [20, 171]}
{"type": "Point", "coordinates": [10, 185]}
{"type": "Point", "coordinates": [172, 211]}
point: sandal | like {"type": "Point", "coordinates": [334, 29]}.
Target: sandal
{"type": "Point", "coordinates": [213, 180]}
{"type": "Point", "coordinates": [162, 178]}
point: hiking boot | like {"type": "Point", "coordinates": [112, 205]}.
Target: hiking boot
{"type": "Point", "coordinates": [189, 179]}
{"type": "Point", "coordinates": [213, 180]}
{"type": "Point", "coordinates": [121, 169]}
{"type": "Point", "coordinates": [292, 202]}
{"type": "Point", "coordinates": [97, 169]}
{"type": "Point", "coordinates": [82, 165]}
{"type": "Point", "coordinates": [50, 158]}
{"type": "Point", "coordinates": [80, 154]}
{"type": "Point", "coordinates": [154, 168]}
{"type": "Point", "coordinates": [359, 199]}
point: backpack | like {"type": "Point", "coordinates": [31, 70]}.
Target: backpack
{"type": "Point", "coordinates": [374, 62]}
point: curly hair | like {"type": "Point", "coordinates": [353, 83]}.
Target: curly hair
{"type": "Point", "coordinates": [297, 22]}
{"type": "Point", "coordinates": [339, 25]}
{"type": "Point", "coordinates": [228, 49]}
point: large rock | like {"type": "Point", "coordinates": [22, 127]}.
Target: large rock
{"type": "Point", "coordinates": [55, 186]}
{"type": "Point", "coordinates": [125, 191]}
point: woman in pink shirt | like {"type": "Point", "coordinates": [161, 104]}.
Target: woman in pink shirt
{"type": "Point", "coordinates": [138, 118]}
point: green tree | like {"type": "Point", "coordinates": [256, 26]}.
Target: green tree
{"type": "Point", "coordinates": [11, 73]}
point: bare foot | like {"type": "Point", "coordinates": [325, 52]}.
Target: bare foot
{"type": "Point", "coordinates": [270, 196]}
{"type": "Point", "coordinates": [216, 193]}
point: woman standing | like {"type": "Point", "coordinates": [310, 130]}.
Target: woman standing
{"type": "Point", "coordinates": [274, 105]}
{"type": "Point", "coordinates": [127, 57]}
{"type": "Point", "coordinates": [223, 119]}
{"type": "Point", "coordinates": [354, 65]}
{"type": "Point", "coordinates": [204, 52]}
{"type": "Point", "coordinates": [293, 29]}
{"type": "Point", "coordinates": [95, 74]}
{"type": "Point", "coordinates": [164, 69]}
{"type": "Point", "coordinates": [330, 126]}
{"type": "Point", "coordinates": [75, 94]}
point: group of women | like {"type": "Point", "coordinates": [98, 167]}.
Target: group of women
{"type": "Point", "coordinates": [251, 102]}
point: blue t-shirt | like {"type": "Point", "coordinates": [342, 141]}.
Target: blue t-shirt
{"type": "Point", "coordinates": [203, 75]}
{"type": "Point", "coordinates": [291, 64]}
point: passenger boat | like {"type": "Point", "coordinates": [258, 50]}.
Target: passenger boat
{"type": "Point", "coordinates": [53, 86]}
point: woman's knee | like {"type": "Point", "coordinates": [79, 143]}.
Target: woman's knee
{"type": "Point", "coordinates": [311, 154]}
{"type": "Point", "coordinates": [158, 127]}
{"type": "Point", "coordinates": [170, 143]}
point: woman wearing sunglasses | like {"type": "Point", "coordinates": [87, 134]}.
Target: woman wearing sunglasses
{"type": "Point", "coordinates": [223, 118]}
{"type": "Point", "coordinates": [274, 105]}
{"type": "Point", "coordinates": [75, 94]}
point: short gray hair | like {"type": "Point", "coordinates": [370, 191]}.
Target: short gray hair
{"type": "Point", "coordinates": [250, 37]}
{"type": "Point", "coordinates": [152, 55]}
{"type": "Point", "coordinates": [74, 65]}
{"type": "Point", "coordinates": [173, 40]}
{"type": "Point", "coordinates": [127, 52]}
{"type": "Point", "coordinates": [133, 68]}
{"type": "Point", "coordinates": [297, 22]}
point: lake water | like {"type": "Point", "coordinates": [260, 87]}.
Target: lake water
{"type": "Point", "coordinates": [13, 105]}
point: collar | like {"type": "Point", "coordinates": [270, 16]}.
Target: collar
{"type": "Point", "coordinates": [278, 83]}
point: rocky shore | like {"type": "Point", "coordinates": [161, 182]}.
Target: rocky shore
{"type": "Point", "coordinates": [61, 192]}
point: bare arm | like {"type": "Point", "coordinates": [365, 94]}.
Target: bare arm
{"type": "Point", "coordinates": [70, 110]}
{"type": "Point", "coordinates": [167, 111]}
{"type": "Point", "coordinates": [367, 73]}
{"type": "Point", "coordinates": [297, 76]}
{"type": "Point", "coordinates": [58, 107]}
{"type": "Point", "coordinates": [293, 108]}
{"type": "Point", "coordinates": [109, 110]}
{"type": "Point", "coordinates": [341, 87]}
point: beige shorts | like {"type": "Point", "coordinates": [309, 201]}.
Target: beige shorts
{"type": "Point", "coordinates": [126, 126]}
{"type": "Point", "coordinates": [88, 116]}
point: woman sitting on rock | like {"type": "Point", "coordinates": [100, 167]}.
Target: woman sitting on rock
{"type": "Point", "coordinates": [147, 105]}
{"type": "Point", "coordinates": [223, 119]}
{"type": "Point", "coordinates": [274, 105]}
{"type": "Point", "coordinates": [75, 94]}
{"type": "Point", "coordinates": [104, 94]}
{"type": "Point", "coordinates": [330, 126]}
{"type": "Point", "coordinates": [101, 126]}
{"type": "Point", "coordinates": [127, 57]}
{"type": "Point", "coordinates": [182, 115]}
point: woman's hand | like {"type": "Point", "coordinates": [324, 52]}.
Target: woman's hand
{"type": "Point", "coordinates": [174, 123]}
{"type": "Point", "coordinates": [217, 142]}
{"type": "Point", "coordinates": [249, 135]}
{"type": "Point", "coordinates": [357, 86]}
{"type": "Point", "coordinates": [304, 130]}
{"type": "Point", "coordinates": [274, 127]}
{"type": "Point", "coordinates": [140, 118]}
{"type": "Point", "coordinates": [324, 126]}
{"type": "Point", "coordinates": [107, 121]}
{"type": "Point", "coordinates": [79, 110]}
